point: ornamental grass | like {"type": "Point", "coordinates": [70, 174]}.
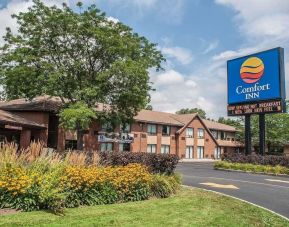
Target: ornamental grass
{"type": "Point", "coordinates": [36, 178]}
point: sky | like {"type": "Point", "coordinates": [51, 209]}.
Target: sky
{"type": "Point", "coordinates": [197, 37]}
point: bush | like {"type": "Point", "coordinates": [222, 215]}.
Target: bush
{"type": "Point", "coordinates": [157, 163]}
{"type": "Point", "coordinates": [252, 167]}
{"type": "Point", "coordinates": [272, 160]}
{"type": "Point", "coordinates": [162, 186]}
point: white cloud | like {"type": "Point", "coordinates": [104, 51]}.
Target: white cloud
{"type": "Point", "coordinates": [182, 55]}
{"type": "Point", "coordinates": [168, 77]}
{"type": "Point", "coordinates": [212, 46]}
{"type": "Point", "coordinates": [15, 7]}
{"type": "Point", "coordinates": [113, 19]}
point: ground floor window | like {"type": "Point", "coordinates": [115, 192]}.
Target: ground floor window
{"type": "Point", "coordinates": [165, 149]}
{"type": "Point", "coordinates": [70, 144]}
{"type": "Point", "coordinates": [106, 147]}
{"type": "Point", "coordinates": [124, 147]}
{"type": "Point", "coordinates": [151, 148]}
{"type": "Point", "coordinates": [200, 152]}
{"type": "Point", "coordinates": [217, 153]}
{"type": "Point", "coordinates": [190, 152]}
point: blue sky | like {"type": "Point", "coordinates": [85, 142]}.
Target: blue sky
{"type": "Point", "coordinates": [197, 37]}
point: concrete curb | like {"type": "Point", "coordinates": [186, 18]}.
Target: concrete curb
{"type": "Point", "coordinates": [242, 200]}
{"type": "Point", "coordinates": [243, 171]}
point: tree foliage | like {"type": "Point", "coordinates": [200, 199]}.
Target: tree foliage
{"type": "Point", "coordinates": [238, 123]}
{"type": "Point", "coordinates": [78, 56]}
{"type": "Point", "coordinates": [200, 112]}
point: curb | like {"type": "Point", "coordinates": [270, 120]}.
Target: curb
{"type": "Point", "coordinates": [242, 200]}
{"type": "Point", "coordinates": [243, 171]}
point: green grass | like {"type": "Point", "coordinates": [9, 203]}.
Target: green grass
{"type": "Point", "coordinates": [189, 207]}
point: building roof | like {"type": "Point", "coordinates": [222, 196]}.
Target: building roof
{"type": "Point", "coordinates": [16, 120]}
{"type": "Point", "coordinates": [157, 117]}
{"type": "Point", "coordinates": [53, 104]}
{"type": "Point", "coordinates": [178, 119]}
{"type": "Point", "coordinates": [230, 143]}
{"type": "Point", "coordinates": [44, 103]}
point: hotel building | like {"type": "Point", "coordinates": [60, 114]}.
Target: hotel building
{"type": "Point", "coordinates": [186, 135]}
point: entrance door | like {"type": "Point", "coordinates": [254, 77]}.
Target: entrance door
{"type": "Point", "coordinates": [200, 153]}
{"type": "Point", "coordinates": [189, 152]}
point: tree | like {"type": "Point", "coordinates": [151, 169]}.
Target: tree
{"type": "Point", "coordinates": [238, 123]}
{"type": "Point", "coordinates": [277, 131]}
{"type": "Point", "coordinates": [200, 112]}
{"type": "Point", "coordinates": [149, 107]}
{"type": "Point", "coordinates": [80, 57]}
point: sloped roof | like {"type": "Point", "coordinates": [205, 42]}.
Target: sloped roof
{"type": "Point", "coordinates": [53, 104]}
{"type": "Point", "coordinates": [229, 143]}
{"type": "Point", "coordinates": [16, 120]}
{"type": "Point", "coordinates": [157, 117]}
{"type": "Point", "coordinates": [218, 126]}
{"type": "Point", "coordinates": [44, 103]}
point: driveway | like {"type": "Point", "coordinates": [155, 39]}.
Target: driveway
{"type": "Point", "coordinates": [270, 192]}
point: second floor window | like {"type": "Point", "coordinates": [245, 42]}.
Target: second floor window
{"type": "Point", "coordinates": [165, 130]}
{"type": "Point", "coordinates": [190, 132]}
{"type": "Point", "coordinates": [125, 128]}
{"type": "Point", "coordinates": [152, 129]}
{"type": "Point", "coordinates": [200, 133]}
{"type": "Point", "coordinates": [106, 127]}
{"type": "Point", "coordinates": [215, 134]}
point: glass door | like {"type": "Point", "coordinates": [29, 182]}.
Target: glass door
{"type": "Point", "coordinates": [189, 152]}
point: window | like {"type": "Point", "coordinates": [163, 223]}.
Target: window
{"type": "Point", "coordinates": [106, 146]}
{"type": "Point", "coordinates": [200, 133]}
{"type": "Point", "coordinates": [200, 153]}
{"type": "Point", "coordinates": [165, 130]}
{"type": "Point", "coordinates": [70, 144]}
{"type": "Point", "coordinates": [190, 152]}
{"type": "Point", "coordinates": [125, 128]}
{"type": "Point", "coordinates": [106, 127]}
{"type": "Point", "coordinates": [190, 132]}
{"type": "Point", "coordinates": [151, 148]}
{"type": "Point", "coordinates": [217, 153]}
{"type": "Point", "coordinates": [152, 129]}
{"type": "Point", "coordinates": [124, 147]}
{"type": "Point", "coordinates": [165, 149]}
{"type": "Point", "coordinates": [223, 135]}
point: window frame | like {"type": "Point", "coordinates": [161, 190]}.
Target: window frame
{"type": "Point", "coordinates": [122, 150]}
{"type": "Point", "coordinates": [168, 130]}
{"type": "Point", "coordinates": [106, 146]}
{"type": "Point", "coordinates": [203, 152]}
{"type": "Point", "coordinates": [150, 150]}
{"type": "Point", "coordinates": [191, 151]}
{"type": "Point", "coordinates": [166, 150]}
{"type": "Point", "coordinates": [187, 134]}
{"type": "Point", "coordinates": [149, 126]}
{"type": "Point", "coordinates": [203, 133]}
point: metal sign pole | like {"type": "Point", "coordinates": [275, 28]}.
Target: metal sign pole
{"type": "Point", "coordinates": [262, 133]}
{"type": "Point", "coordinates": [248, 144]}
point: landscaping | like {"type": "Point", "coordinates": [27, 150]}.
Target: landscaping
{"type": "Point", "coordinates": [36, 179]}
{"type": "Point", "coordinates": [189, 207]}
{"type": "Point", "coordinates": [247, 167]}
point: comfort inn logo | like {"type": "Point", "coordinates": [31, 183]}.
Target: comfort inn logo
{"type": "Point", "coordinates": [252, 70]}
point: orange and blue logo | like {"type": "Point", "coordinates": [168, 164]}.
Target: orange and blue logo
{"type": "Point", "coordinates": [252, 70]}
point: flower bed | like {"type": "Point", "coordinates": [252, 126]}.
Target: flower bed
{"type": "Point", "coordinates": [247, 167]}
{"type": "Point", "coordinates": [34, 180]}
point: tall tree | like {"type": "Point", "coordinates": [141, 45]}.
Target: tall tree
{"type": "Point", "coordinates": [200, 112]}
{"type": "Point", "coordinates": [80, 57]}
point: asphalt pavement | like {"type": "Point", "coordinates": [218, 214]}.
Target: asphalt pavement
{"type": "Point", "coordinates": [271, 192]}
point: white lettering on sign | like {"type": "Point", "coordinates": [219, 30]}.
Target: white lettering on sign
{"type": "Point", "coordinates": [252, 92]}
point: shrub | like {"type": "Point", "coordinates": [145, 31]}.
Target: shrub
{"type": "Point", "coordinates": [271, 160]}
{"type": "Point", "coordinates": [252, 167]}
{"type": "Point", "coordinates": [157, 163]}
{"type": "Point", "coordinates": [162, 186]}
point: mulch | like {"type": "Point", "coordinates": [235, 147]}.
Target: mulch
{"type": "Point", "coordinates": [6, 211]}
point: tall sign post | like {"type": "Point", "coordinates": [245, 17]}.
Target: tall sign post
{"type": "Point", "coordinates": [256, 85]}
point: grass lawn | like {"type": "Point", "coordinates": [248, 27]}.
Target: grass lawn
{"type": "Point", "coordinates": [190, 207]}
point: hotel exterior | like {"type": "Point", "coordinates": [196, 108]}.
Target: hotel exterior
{"type": "Point", "coordinates": [186, 135]}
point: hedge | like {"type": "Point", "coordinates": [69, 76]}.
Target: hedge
{"type": "Point", "coordinates": [252, 167]}
{"type": "Point", "coordinates": [272, 160]}
{"type": "Point", "coordinates": [157, 163]}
